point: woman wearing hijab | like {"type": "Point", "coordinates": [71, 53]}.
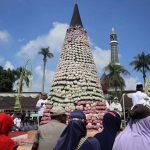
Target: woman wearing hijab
{"type": "Point", "coordinates": [74, 135]}
{"type": "Point", "coordinates": [111, 125]}
{"type": "Point", "coordinates": [6, 123]}
{"type": "Point", "coordinates": [136, 136]}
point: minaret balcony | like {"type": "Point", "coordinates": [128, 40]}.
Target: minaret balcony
{"type": "Point", "coordinates": [113, 42]}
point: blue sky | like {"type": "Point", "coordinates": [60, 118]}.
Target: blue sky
{"type": "Point", "coordinates": [28, 25]}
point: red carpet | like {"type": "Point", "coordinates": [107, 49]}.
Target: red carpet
{"type": "Point", "coordinates": [17, 133]}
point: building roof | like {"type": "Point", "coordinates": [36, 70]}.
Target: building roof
{"type": "Point", "coordinates": [28, 100]}
{"type": "Point", "coordinates": [102, 79]}
{"type": "Point", "coordinates": [76, 20]}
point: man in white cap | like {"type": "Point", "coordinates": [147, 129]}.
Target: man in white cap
{"type": "Point", "coordinates": [139, 94]}
{"type": "Point", "coordinates": [116, 106]}
{"type": "Point", "coordinates": [48, 134]}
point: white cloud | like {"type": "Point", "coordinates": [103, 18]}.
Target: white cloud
{"type": "Point", "coordinates": [101, 58]}
{"type": "Point", "coordinates": [1, 59]}
{"type": "Point", "coordinates": [37, 83]}
{"type": "Point", "coordinates": [53, 39]}
{"type": "Point", "coordinates": [48, 74]}
{"type": "Point", "coordinates": [4, 35]}
{"type": "Point", "coordinates": [91, 41]}
{"type": "Point", "coordinates": [8, 65]}
{"type": "Point", "coordinates": [20, 40]}
{"type": "Point", "coordinates": [36, 87]}
{"type": "Point", "coordinates": [131, 83]}
{"type": "Point", "coordinates": [119, 56]}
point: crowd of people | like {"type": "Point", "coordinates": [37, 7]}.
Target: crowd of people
{"type": "Point", "coordinates": [58, 135]}
{"type": "Point", "coordinates": [23, 125]}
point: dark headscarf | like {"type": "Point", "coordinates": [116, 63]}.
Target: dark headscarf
{"type": "Point", "coordinates": [6, 123]}
{"type": "Point", "coordinates": [75, 130]}
{"type": "Point", "coordinates": [111, 125]}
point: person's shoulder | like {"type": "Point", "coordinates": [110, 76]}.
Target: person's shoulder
{"type": "Point", "coordinates": [144, 94]}
{"type": "Point", "coordinates": [52, 124]}
{"type": "Point", "coordinates": [43, 126]}
{"type": "Point", "coordinates": [62, 124]}
{"type": "Point", "coordinates": [134, 94]}
{"type": "Point", "coordinates": [97, 135]}
{"type": "Point", "coordinates": [112, 104]}
{"type": "Point", "coordinates": [57, 123]}
{"type": "Point", "coordinates": [40, 100]}
{"type": "Point", "coordinates": [92, 140]}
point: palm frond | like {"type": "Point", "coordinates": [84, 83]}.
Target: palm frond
{"type": "Point", "coordinates": [46, 53]}
{"type": "Point", "coordinates": [26, 79]}
{"type": "Point", "coordinates": [113, 78]}
{"type": "Point", "coordinates": [141, 63]}
{"type": "Point", "coordinates": [50, 55]}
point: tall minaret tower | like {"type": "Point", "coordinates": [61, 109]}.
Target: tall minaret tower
{"type": "Point", "coordinates": [113, 44]}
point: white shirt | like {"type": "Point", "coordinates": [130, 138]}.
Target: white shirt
{"type": "Point", "coordinates": [107, 104]}
{"type": "Point", "coordinates": [138, 96]}
{"type": "Point", "coordinates": [116, 105]}
{"type": "Point", "coordinates": [41, 107]}
{"type": "Point", "coordinates": [17, 122]}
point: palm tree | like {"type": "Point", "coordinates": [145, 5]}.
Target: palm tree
{"type": "Point", "coordinates": [114, 79]}
{"type": "Point", "coordinates": [26, 74]}
{"type": "Point", "coordinates": [46, 53]}
{"type": "Point", "coordinates": [141, 63]}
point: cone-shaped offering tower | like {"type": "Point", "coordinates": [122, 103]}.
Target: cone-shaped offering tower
{"type": "Point", "coordinates": [76, 84]}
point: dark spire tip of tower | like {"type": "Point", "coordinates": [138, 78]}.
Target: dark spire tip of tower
{"type": "Point", "coordinates": [76, 20]}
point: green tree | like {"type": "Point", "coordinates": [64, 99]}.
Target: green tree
{"type": "Point", "coordinates": [26, 74]}
{"type": "Point", "coordinates": [7, 80]}
{"type": "Point", "coordinates": [113, 78]}
{"type": "Point", "coordinates": [46, 54]}
{"type": "Point", "coordinates": [141, 63]}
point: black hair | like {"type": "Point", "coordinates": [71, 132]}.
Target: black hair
{"type": "Point", "coordinates": [139, 87]}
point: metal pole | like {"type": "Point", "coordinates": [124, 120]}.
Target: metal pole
{"type": "Point", "coordinates": [124, 111]}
